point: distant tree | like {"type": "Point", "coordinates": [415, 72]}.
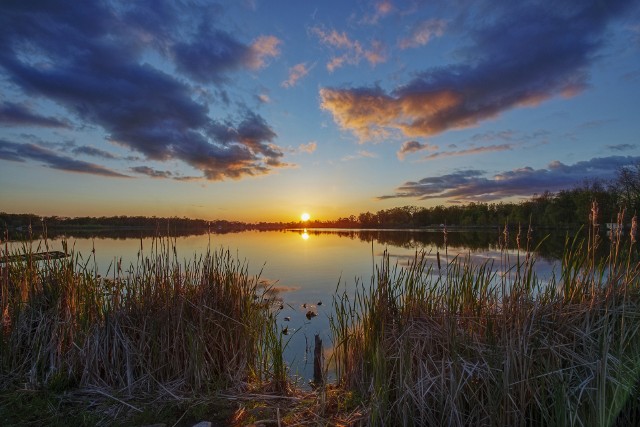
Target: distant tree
{"type": "Point", "coordinates": [627, 187]}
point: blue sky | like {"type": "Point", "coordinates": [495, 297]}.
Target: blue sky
{"type": "Point", "coordinates": [260, 110]}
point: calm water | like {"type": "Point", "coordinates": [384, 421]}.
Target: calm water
{"type": "Point", "coordinates": [307, 266]}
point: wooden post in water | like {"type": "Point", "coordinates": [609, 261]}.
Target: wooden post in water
{"type": "Point", "coordinates": [318, 362]}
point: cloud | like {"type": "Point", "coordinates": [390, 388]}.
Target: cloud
{"type": "Point", "coordinates": [296, 72]}
{"type": "Point", "coordinates": [308, 148]}
{"type": "Point", "coordinates": [94, 152]}
{"type": "Point", "coordinates": [153, 173]}
{"type": "Point", "coordinates": [413, 147]}
{"type": "Point", "coordinates": [21, 152]}
{"type": "Point", "coordinates": [423, 32]}
{"type": "Point", "coordinates": [262, 49]}
{"type": "Point", "coordinates": [511, 136]}
{"type": "Point", "coordinates": [92, 60]}
{"type": "Point", "coordinates": [474, 150]}
{"type": "Point", "coordinates": [362, 154]}
{"type": "Point", "coordinates": [622, 147]}
{"type": "Point", "coordinates": [212, 55]}
{"type": "Point", "coordinates": [377, 54]}
{"type": "Point", "coordinates": [382, 9]}
{"type": "Point", "coordinates": [368, 112]}
{"type": "Point", "coordinates": [352, 50]}
{"type": "Point", "coordinates": [12, 114]}
{"type": "Point", "coordinates": [473, 185]}
{"type": "Point", "coordinates": [593, 124]}
{"type": "Point", "coordinates": [521, 54]}
{"type": "Point", "coordinates": [263, 98]}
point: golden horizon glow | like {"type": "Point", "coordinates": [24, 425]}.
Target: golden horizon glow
{"type": "Point", "coordinates": [305, 216]}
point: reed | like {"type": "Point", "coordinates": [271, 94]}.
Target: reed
{"type": "Point", "coordinates": [496, 344]}
{"type": "Point", "coordinates": [161, 327]}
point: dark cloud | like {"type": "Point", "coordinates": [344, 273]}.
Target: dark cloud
{"type": "Point", "coordinates": [88, 57]}
{"type": "Point", "coordinates": [522, 53]}
{"type": "Point", "coordinates": [622, 147]}
{"type": "Point", "coordinates": [252, 131]}
{"type": "Point", "coordinates": [12, 114]}
{"type": "Point", "coordinates": [473, 185]}
{"type": "Point", "coordinates": [153, 173]}
{"type": "Point", "coordinates": [468, 151]}
{"type": "Point", "coordinates": [412, 147]}
{"type": "Point", "coordinates": [211, 55]}
{"type": "Point", "coordinates": [21, 152]}
{"type": "Point", "coordinates": [94, 152]}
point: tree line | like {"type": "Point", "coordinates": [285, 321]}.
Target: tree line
{"type": "Point", "coordinates": [564, 209]}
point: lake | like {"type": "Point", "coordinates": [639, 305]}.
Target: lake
{"type": "Point", "coordinates": [306, 266]}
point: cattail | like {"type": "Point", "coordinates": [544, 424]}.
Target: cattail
{"type": "Point", "coordinates": [518, 236]}
{"type": "Point", "coordinates": [594, 214]}
{"type": "Point", "coordinates": [505, 233]}
{"type": "Point", "coordinates": [444, 232]}
{"type": "Point", "coordinates": [634, 228]}
{"type": "Point", "coordinates": [619, 226]}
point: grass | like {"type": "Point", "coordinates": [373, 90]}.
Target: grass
{"type": "Point", "coordinates": [496, 345]}
{"type": "Point", "coordinates": [160, 330]}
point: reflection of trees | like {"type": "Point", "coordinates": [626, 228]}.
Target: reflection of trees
{"type": "Point", "coordinates": [121, 234]}
{"type": "Point", "coordinates": [26, 226]}
{"type": "Point", "coordinates": [549, 246]}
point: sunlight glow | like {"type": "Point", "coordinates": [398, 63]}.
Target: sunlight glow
{"type": "Point", "coordinates": [305, 216]}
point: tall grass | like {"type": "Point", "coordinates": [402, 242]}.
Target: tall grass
{"type": "Point", "coordinates": [160, 326]}
{"type": "Point", "coordinates": [496, 344]}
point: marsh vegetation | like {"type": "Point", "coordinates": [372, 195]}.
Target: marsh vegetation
{"type": "Point", "coordinates": [436, 340]}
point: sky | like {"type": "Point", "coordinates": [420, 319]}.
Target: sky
{"type": "Point", "coordinates": [258, 110]}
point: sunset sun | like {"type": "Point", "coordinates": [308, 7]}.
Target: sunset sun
{"type": "Point", "coordinates": [305, 216]}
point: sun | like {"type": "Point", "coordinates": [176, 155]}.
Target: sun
{"type": "Point", "coordinates": [305, 216]}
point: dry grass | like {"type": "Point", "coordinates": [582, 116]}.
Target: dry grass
{"type": "Point", "coordinates": [467, 346]}
{"type": "Point", "coordinates": [160, 329]}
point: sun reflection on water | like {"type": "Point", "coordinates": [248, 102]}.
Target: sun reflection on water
{"type": "Point", "coordinates": [305, 235]}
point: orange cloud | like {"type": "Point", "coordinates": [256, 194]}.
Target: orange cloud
{"type": "Point", "coordinates": [367, 114]}
{"type": "Point", "coordinates": [423, 32]}
{"type": "Point", "coordinates": [382, 9]}
{"type": "Point", "coordinates": [309, 147]}
{"type": "Point", "coordinates": [352, 50]}
{"type": "Point", "coordinates": [296, 72]}
{"type": "Point", "coordinates": [372, 114]}
{"type": "Point", "coordinates": [336, 62]}
{"type": "Point", "coordinates": [263, 48]}
{"type": "Point", "coordinates": [377, 54]}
